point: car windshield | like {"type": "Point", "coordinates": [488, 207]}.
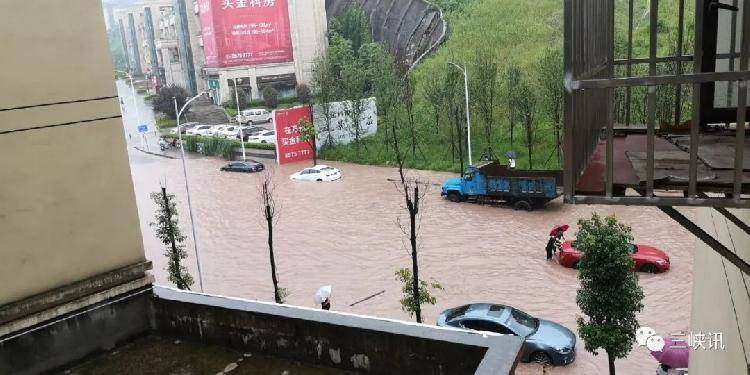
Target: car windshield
{"type": "Point", "coordinates": [524, 322]}
{"type": "Point", "coordinates": [326, 169]}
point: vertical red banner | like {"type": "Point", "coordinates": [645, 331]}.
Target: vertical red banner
{"type": "Point", "coordinates": [245, 32]}
{"type": "Point", "coordinates": [289, 146]}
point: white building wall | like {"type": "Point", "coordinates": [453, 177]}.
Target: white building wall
{"type": "Point", "coordinates": [718, 295]}
{"type": "Point", "coordinates": [309, 26]}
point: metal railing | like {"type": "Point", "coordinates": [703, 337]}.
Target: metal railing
{"type": "Point", "coordinates": [591, 83]}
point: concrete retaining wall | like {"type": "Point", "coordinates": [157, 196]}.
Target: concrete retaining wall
{"type": "Point", "coordinates": [70, 338]}
{"type": "Point", "coordinates": [410, 28]}
{"type": "Point", "coordinates": [345, 341]}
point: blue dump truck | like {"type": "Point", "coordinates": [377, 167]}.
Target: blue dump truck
{"type": "Point", "coordinates": [492, 181]}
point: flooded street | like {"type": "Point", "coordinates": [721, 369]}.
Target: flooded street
{"type": "Point", "coordinates": [346, 234]}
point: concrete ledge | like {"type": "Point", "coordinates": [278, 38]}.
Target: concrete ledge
{"type": "Point", "coordinates": [332, 339]}
{"type": "Point", "coordinates": [73, 291]}
{"type": "Point", "coordinates": [52, 345]}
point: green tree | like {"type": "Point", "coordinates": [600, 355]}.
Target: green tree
{"type": "Point", "coordinates": [483, 85]}
{"type": "Point", "coordinates": [413, 190]}
{"type": "Point", "coordinates": [168, 232]}
{"type": "Point", "coordinates": [410, 303]}
{"type": "Point", "coordinates": [164, 100]}
{"type": "Point", "coordinates": [525, 103]}
{"type": "Point", "coordinates": [609, 296]}
{"type": "Point", "coordinates": [307, 134]}
{"type": "Point", "coordinates": [303, 93]}
{"type": "Point", "coordinates": [552, 91]}
{"type": "Point", "coordinates": [511, 80]}
{"type": "Point", "coordinates": [354, 26]}
{"type": "Point", "coordinates": [270, 97]}
{"type": "Point", "coordinates": [269, 211]}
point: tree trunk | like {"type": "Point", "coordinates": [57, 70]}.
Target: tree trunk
{"type": "Point", "coordinates": [413, 211]}
{"type": "Point", "coordinates": [611, 360]}
{"type": "Point", "coordinates": [269, 220]}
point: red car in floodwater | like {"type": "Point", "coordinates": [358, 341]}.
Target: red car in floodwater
{"type": "Point", "coordinates": [647, 258]}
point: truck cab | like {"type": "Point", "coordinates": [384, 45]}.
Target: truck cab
{"type": "Point", "coordinates": [459, 189]}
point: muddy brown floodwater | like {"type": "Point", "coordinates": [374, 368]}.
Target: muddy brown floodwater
{"type": "Point", "coordinates": [346, 234]}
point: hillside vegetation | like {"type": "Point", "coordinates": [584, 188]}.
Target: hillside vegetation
{"type": "Point", "coordinates": [513, 52]}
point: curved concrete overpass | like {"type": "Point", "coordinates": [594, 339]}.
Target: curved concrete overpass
{"type": "Point", "coordinates": [410, 28]}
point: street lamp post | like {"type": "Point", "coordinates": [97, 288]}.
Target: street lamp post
{"type": "Point", "coordinates": [135, 104]}
{"type": "Point", "coordinates": [187, 186]}
{"type": "Point", "coordinates": [242, 135]}
{"type": "Point", "coordinates": [468, 119]}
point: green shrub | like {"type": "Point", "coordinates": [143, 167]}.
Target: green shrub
{"type": "Point", "coordinates": [222, 147]}
{"type": "Point", "coordinates": [271, 97]}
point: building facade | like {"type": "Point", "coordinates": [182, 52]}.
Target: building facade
{"type": "Point", "coordinates": [68, 218]}
{"type": "Point", "coordinates": [302, 39]}
{"type": "Point", "coordinates": [180, 32]}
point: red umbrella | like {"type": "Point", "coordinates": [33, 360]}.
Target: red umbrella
{"type": "Point", "coordinates": [559, 229]}
{"type": "Point", "coordinates": [675, 353]}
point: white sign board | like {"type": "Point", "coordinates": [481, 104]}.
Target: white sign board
{"type": "Point", "coordinates": [340, 129]}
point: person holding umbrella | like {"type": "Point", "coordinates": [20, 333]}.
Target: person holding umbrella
{"type": "Point", "coordinates": [673, 357]}
{"type": "Point", "coordinates": [323, 297]}
{"type": "Point", "coordinates": [555, 237]}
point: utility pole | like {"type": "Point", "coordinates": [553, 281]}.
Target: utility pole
{"type": "Point", "coordinates": [242, 138]}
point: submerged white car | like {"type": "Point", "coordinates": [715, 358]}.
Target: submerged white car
{"type": "Point", "coordinates": [317, 173]}
{"type": "Point", "coordinates": [265, 136]}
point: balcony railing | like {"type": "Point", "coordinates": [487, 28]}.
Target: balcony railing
{"type": "Point", "coordinates": [678, 156]}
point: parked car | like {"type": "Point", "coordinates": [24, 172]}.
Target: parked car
{"type": "Point", "coordinates": [647, 258]}
{"type": "Point", "coordinates": [199, 130]}
{"type": "Point", "coordinates": [544, 341]}
{"type": "Point", "coordinates": [229, 131]}
{"type": "Point", "coordinates": [254, 116]}
{"type": "Point", "coordinates": [247, 166]}
{"type": "Point", "coordinates": [246, 131]}
{"type": "Point", "coordinates": [217, 129]}
{"type": "Point", "coordinates": [265, 136]}
{"type": "Point", "coordinates": [317, 173]}
{"type": "Point", "coordinates": [183, 127]}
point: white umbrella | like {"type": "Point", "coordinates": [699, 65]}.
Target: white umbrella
{"type": "Point", "coordinates": [323, 294]}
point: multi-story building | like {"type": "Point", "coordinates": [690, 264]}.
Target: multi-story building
{"type": "Point", "coordinates": [260, 43]}
{"type": "Point", "coordinates": [208, 45]}
{"type": "Point", "coordinates": [698, 158]}
{"type": "Point", "coordinates": [149, 37]}
{"type": "Point", "coordinates": [190, 45]}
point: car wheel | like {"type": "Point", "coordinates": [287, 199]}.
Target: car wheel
{"type": "Point", "coordinates": [454, 197]}
{"type": "Point", "coordinates": [319, 180]}
{"type": "Point", "coordinates": [649, 268]}
{"type": "Point", "coordinates": [523, 205]}
{"type": "Point", "coordinates": [540, 357]}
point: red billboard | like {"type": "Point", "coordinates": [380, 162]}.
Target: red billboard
{"type": "Point", "coordinates": [245, 32]}
{"type": "Point", "coordinates": [289, 147]}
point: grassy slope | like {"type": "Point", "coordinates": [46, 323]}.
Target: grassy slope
{"type": "Point", "coordinates": [516, 31]}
